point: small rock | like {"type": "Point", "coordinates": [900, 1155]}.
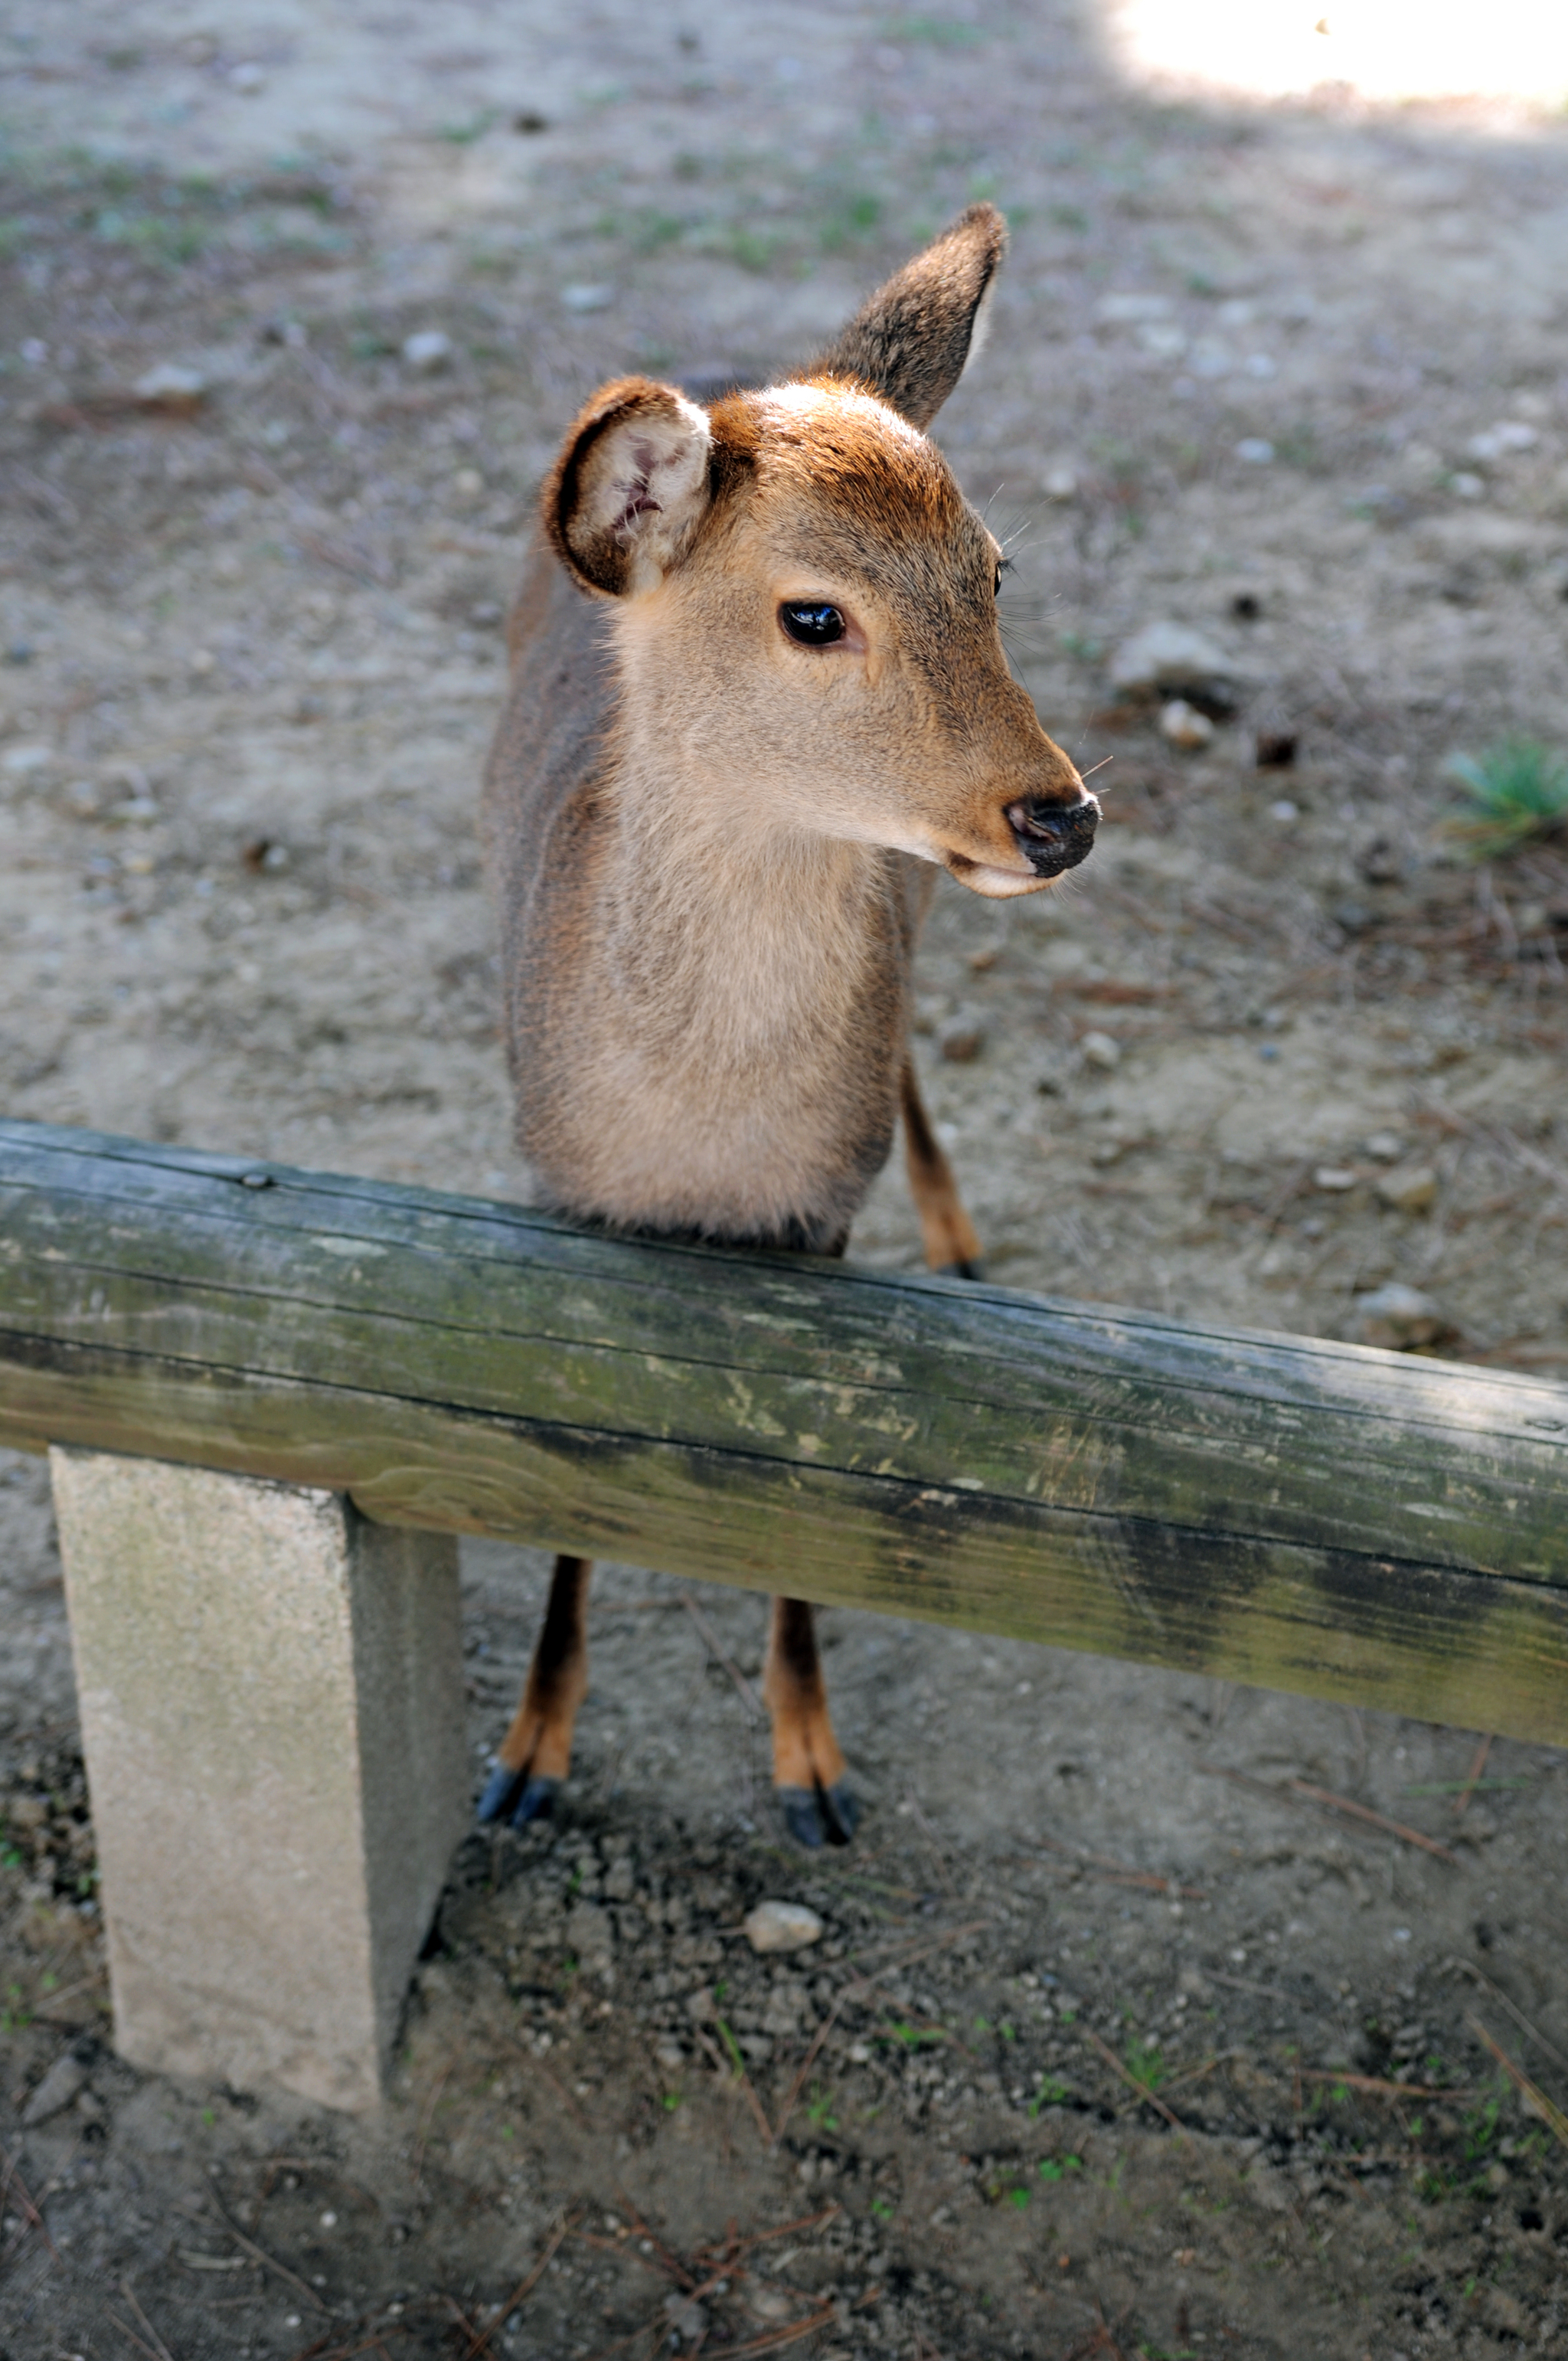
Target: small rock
{"type": "Point", "coordinates": [1101, 1051]}
{"type": "Point", "coordinates": [588, 299]}
{"type": "Point", "coordinates": [1286, 812]}
{"type": "Point", "coordinates": [467, 484]}
{"type": "Point", "coordinates": [1333, 1178]}
{"type": "Point", "coordinates": [1400, 1318]}
{"type": "Point", "coordinates": [58, 2088]}
{"type": "Point", "coordinates": [782, 1927]}
{"type": "Point", "coordinates": [1254, 451]}
{"type": "Point", "coordinates": [427, 350]}
{"type": "Point", "coordinates": [1380, 862]}
{"type": "Point", "coordinates": [1060, 483]}
{"type": "Point", "coordinates": [771, 2303]}
{"type": "Point", "coordinates": [21, 762]}
{"type": "Point", "coordinates": [962, 1041]}
{"type": "Point", "coordinates": [1410, 1189]}
{"type": "Point", "coordinates": [1166, 659]}
{"type": "Point", "coordinates": [169, 383]}
{"type": "Point", "coordinates": [1115, 310]}
{"type": "Point", "coordinates": [1509, 435]}
{"type": "Point", "coordinates": [1184, 725]}
{"type": "Point", "coordinates": [1384, 1146]}
{"type": "Point", "coordinates": [248, 79]}
{"type": "Point", "coordinates": [1467, 487]}
{"type": "Point", "coordinates": [687, 2318]}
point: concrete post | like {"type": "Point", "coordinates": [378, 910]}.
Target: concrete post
{"type": "Point", "coordinates": [272, 1696]}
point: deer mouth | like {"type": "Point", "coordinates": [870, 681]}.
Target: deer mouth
{"type": "Point", "coordinates": [1052, 836]}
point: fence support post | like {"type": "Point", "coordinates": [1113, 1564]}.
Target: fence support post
{"type": "Point", "coordinates": [271, 1697]}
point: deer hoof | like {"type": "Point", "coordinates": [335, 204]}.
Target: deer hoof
{"type": "Point", "coordinates": [819, 1815]}
{"type": "Point", "coordinates": [513, 1797]}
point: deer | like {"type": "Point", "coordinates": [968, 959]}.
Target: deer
{"type": "Point", "coordinates": [757, 700]}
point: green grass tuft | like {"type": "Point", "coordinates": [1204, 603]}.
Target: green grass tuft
{"type": "Point", "coordinates": [1515, 791]}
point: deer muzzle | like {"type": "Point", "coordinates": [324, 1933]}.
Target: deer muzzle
{"type": "Point", "coordinates": [1054, 837]}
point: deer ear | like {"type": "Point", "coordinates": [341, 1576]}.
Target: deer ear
{"type": "Point", "coordinates": [630, 487]}
{"type": "Point", "coordinates": [911, 342]}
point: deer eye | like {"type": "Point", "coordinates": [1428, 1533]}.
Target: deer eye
{"type": "Point", "coordinates": [810, 623]}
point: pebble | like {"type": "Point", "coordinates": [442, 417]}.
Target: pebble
{"type": "Point", "coordinates": [1509, 435]}
{"type": "Point", "coordinates": [1398, 1318]}
{"type": "Point", "coordinates": [1184, 725]}
{"type": "Point", "coordinates": [21, 762]}
{"type": "Point", "coordinates": [1173, 658]}
{"type": "Point", "coordinates": [1408, 1189]}
{"type": "Point", "coordinates": [1333, 1178]}
{"type": "Point", "coordinates": [588, 299]}
{"type": "Point", "coordinates": [1256, 451]}
{"type": "Point", "coordinates": [1384, 1146]}
{"type": "Point", "coordinates": [1060, 483]}
{"type": "Point", "coordinates": [58, 2088]}
{"type": "Point", "coordinates": [427, 350]}
{"type": "Point", "coordinates": [1467, 487]}
{"type": "Point", "coordinates": [250, 79]}
{"type": "Point", "coordinates": [962, 1041]}
{"type": "Point", "coordinates": [782, 1927]}
{"type": "Point", "coordinates": [467, 484]}
{"type": "Point", "coordinates": [169, 381]}
{"type": "Point", "coordinates": [1102, 1051]}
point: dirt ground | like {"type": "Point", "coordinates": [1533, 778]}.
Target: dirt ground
{"type": "Point", "coordinates": [1116, 2040]}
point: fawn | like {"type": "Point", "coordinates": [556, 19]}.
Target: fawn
{"type": "Point", "coordinates": [757, 696]}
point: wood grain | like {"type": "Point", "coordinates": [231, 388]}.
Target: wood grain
{"type": "Point", "coordinates": [1302, 1514]}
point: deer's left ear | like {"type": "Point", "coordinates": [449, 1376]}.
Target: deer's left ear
{"type": "Point", "coordinates": [630, 489]}
{"type": "Point", "coordinates": [911, 342]}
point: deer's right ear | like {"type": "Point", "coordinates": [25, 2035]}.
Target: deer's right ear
{"type": "Point", "coordinates": [624, 501]}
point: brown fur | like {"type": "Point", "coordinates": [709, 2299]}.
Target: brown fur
{"type": "Point", "coordinates": [712, 847]}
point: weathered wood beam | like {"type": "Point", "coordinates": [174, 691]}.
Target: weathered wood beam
{"type": "Point", "coordinates": [1306, 1515]}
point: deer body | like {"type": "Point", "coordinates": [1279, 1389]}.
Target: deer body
{"type": "Point", "coordinates": [757, 696]}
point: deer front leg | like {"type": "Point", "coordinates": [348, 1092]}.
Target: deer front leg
{"type": "Point", "coordinates": [946, 1231]}
{"type": "Point", "coordinates": [808, 1766]}
{"type": "Point", "coordinates": [536, 1753]}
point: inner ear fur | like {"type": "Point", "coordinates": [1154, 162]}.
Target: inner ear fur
{"type": "Point", "coordinates": [631, 486]}
{"type": "Point", "coordinates": [911, 341]}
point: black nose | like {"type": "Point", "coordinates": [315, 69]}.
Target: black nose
{"type": "Point", "coordinates": [1054, 837]}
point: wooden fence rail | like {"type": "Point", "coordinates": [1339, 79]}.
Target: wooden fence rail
{"type": "Point", "coordinates": [1307, 1515]}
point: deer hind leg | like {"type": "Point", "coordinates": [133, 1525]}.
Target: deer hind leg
{"type": "Point", "coordinates": [946, 1230]}
{"type": "Point", "coordinates": [536, 1753]}
{"type": "Point", "coordinates": [808, 1766]}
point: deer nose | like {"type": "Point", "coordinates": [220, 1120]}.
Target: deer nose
{"type": "Point", "coordinates": [1053, 837]}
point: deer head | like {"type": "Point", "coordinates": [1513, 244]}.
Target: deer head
{"type": "Point", "coordinates": [805, 603]}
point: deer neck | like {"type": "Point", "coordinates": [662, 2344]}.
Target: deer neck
{"type": "Point", "coordinates": [729, 933]}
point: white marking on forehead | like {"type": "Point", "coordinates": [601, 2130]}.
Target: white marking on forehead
{"type": "Point", "coordinates": [794, 402]}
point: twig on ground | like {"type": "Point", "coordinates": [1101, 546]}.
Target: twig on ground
{"type": "Point", "coordinates": [428, 2119]}
{"type": "Point", "coordinates": [1547, 2109]}
{"type": "Point", "coordinates": [1519, 2018]}
{"type": "Point", "coordinates": [1247, 1985]}
{"type": "Point", "coordinates": [1371, 2084]}
{"type": "Point", "coordinates": [789, 2335]}
{"type": "Point", "coordinates": [742, 2080]}
{"type": "Point", "coordinates": [129, 2294]}
{"type": "Point", "coordinates": [1461, 1801]}
{"type": "Point", "coordinates": [1132, 2081]}
{"type": "Point", "coordinates": [33, 2218]}
{"type": "Point", "coordinates": [519, 2294]}
{"type": "Point", "coordinates": [1301, 1788]}
{"type": "Point", "coordinates": [300, 2287]}
{"type": "Point", "coordinates": [710, 1640]}
{"type": "Point", "coordinates": [139, 2343]}
{"type": "Point", "coordinates": [1119, 1872]}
